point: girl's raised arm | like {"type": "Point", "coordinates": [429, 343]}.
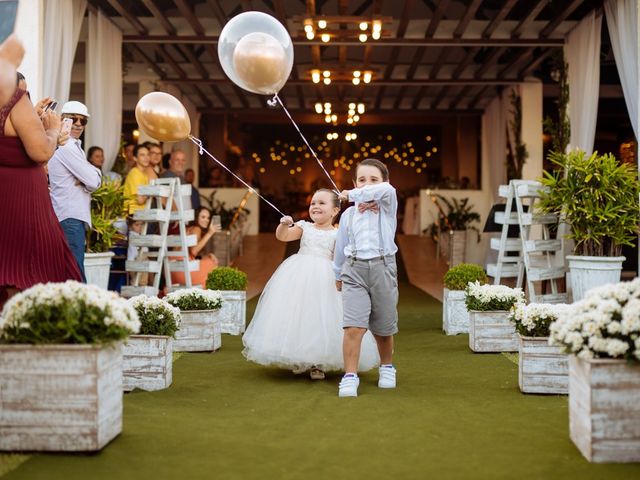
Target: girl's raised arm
{"type": "Point", "coordinates": [288, 231]}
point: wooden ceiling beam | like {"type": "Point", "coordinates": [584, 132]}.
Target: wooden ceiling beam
{"type": "Point", "coordinates": [190, 17]}
{"type": "Point", "coordinates": [517, 62]}
{"type": "Point", "coordinates": [130, 17]}
{"type": "Point", "coordinates": [468, 16]}
{"type": "Point", "coordinates": [553, 24]}
{"type": "Point", "coordinates": [402, 29]}
{"type": "Point", "coordinates": [491, 60]}
{"type": "Point", "coordinates": [471, 54]}
{"type": "Point", "coordinates": [354, 42]}
{"type": "Point", "coordinates": [160, 17]}
{"type": "Point", "coordinates": [148, 60]}
{"type": "Point", "coordinates": [215, 6]}
{"type": "Point", "coordinates": [435, 19]}
{"type": "Point", "coordinates": [528, 70]}
{"type": "Point", "coordinates": [436, 101]}
{"type": "Point", "coordinates": [418, 97]}
{"type": "Point", "coordinates": [498, 18]}
{"type": "Point", "coordinates": [531, 16]}
{"type": "Point", "coordinates": [474, 101]}
{"type": "Point", "coordinates": [458, 98]}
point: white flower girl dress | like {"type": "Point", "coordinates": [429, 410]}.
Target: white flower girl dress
{"type": "Point", "coordinates": [298, 321]}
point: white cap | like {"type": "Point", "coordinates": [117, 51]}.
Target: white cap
{"type": "Point", "coordinates": [74, 107]}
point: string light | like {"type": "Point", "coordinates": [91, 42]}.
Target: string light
{"type": "Point", "coordinates": [315, 76]}
{"type": "Point", "coordinates": [325, 37]}
{"type": "Point", "coordinates": [364, 26]}
{"type": "Point", "coordinates": [363, 37]}
{"type": "Point", "coordinates": [322, 24]}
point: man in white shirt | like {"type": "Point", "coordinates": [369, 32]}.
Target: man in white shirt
{"type": "Point", "coordinates": [365, 268]}
{"type": "Point", "coordinates": [72, 179]}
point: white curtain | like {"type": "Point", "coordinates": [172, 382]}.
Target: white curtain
{"type": "Point", "coordinates": [622, 22]}
{"type": "Point", "coordinates": [62, 24]}
{"type": "Point", "coordinates": [582, 53]}
{"type": "Point", "coordinates": [104, 87]}
{"type": "Point", "coordinates": [494, 137]}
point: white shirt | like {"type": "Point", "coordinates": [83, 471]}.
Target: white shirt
{"type": "Point", "coordinates": [360, 233]}
{"type": "Point", "coordinates": [71, 180]}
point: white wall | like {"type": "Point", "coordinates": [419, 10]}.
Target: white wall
{"type": "Point", "coordinates": [30, 30]}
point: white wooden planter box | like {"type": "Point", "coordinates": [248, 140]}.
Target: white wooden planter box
{"type": "Point", "coordinates": [604, 409]}
{"type": "Point", "coordinates": [492, 332]}
{"type": "Point", "coordinates": [60, 397]}
{"type": "Point", "coordinates": [147, 362]}
{"type": "Point", "coordinates": [455, 317]}
{"type": "Point", "coordinates": [233, 314]}
{"type": "Point", "coordinates": [199, 331]}
{"type": "Point", "coordinates": [542, 368]}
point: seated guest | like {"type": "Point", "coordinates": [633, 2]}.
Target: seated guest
{"type": "Point", "coordinates": [203, 229]}
{"type": "Point", "coordinates": [95, 155]}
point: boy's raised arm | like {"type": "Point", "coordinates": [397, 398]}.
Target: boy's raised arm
{"type": "Point", "coordinates": [370, 193]}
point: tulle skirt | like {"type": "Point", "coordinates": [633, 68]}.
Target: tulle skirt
{"type": "Point", "coordinates": [298, 321]}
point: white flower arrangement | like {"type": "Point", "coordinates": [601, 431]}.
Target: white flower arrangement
{"type": "Point", "coordinates": [491, 297]}
{"type": "Point", "coordinates": [605, 324]}
{"type": "Point", "coordinates": [69, 312]}
{"type": "Point", "coordinates": [533, 320]}
{"type": "Point", "coordinates": [157, 317]}
{"type": "Point", "coordinates": [195, 299]}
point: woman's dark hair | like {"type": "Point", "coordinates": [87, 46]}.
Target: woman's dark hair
{"type": "Point", "coordinates": [19, 77]}
{"type": "Point", "coordinates": [373, 162]}
{"type": "Point", "coordinates": [137, 148]}
{"type": "Point", "coordinates": [93, 150]}
{"type": "Point", "coordinates": [194, 222]}
{"type": "Point", "coordinates": [165, 161]}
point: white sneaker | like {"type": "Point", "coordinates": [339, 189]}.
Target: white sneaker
{"type": "Point", "coordinates": [387, 378]}
{"type": "Point", "coordinates": [349, 386]}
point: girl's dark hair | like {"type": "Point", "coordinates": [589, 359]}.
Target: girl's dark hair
{"type": "Point", "coordinates": [194, 222]}
{"type": "Point", "coordinates": [19, 77]}
{"type": "Point", "coordinates": [373, 162]}
{"type": "Point", "coordinates": [92, 150]}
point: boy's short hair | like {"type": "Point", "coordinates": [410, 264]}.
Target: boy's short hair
{"type": "Point", "coordinates": [373, 162]}
{"type": "Point", "coordinates": [137, 148]}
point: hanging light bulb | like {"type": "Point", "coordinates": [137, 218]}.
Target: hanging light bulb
{"type": "Point", "coordinates": [363, 26]}
{"type": "Point", "coordinates": [334, 118]}
{"type": "Point", "coordinates": [352, 106]}
{"type": "Point", "coordinates": [308, 27]}
{"type": "Point", "coordinates": [327, 107]}
{"type": "Point", "coordinates": [315, 76]}
{"type": "Point", "coordinates": [354, 136]}
{"type": "Point", "coordinates": [327, 118]}
{"type": "Point", "coordinates": [326, 80]}
{"type": "Point", "coordinates": [377, 26]}
{"type": "Point", "coordinates": [375, 35]}
{"type": "Point", "coordinates": [325, 37]}
{"type": "Point", "coordinates": [356, 73]}
{"type": "Point", "coordinates": [318, 107]}
{"type": "Point", "coordinates": [310, 35]}
{"type": "Point", "coordinates": [361, 108]}
{"type": "Point", "coordinates": [366, 77]}
{"type": "Point", "coordinates": [356, 81]}
{"type": "Point", "coordinates": [322, 24]}
{"type": "Point", "coordinates": [363, 37]}
{"type": "Point", "coordinates": [326, 73]}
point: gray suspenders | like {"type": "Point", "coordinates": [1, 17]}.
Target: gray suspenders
{"type": "Point", "coordinates": [352, 239]}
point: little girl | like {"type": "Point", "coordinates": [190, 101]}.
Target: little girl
{"type": "Point", "coordinates": [297, 324]}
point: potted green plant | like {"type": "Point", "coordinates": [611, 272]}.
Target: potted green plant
{"type": "Point", "coordinates": [601, 334]}
{"type": "Point", "coordinates": [232, 285]}
{"type": "Point", "coordinates": [107, 206]}
{"type": "Point", "coordinates": [542, 368]}
{"type": "Point", "coordinates": [200, 325]}
{"type": "Point", "coordinates": [62, 341]}
{"type": "Point", "coordinates": [452, 224]}
{"type": "Point", "coordinates": [455, 317]}
{"type": "Point", "coordinates": [489, 327]}
{"type": "Point", "coordinates": [147, 357]}
{"type": "Point", "coordinates": [597, 196]}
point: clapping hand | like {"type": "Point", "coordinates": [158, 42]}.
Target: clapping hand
{"type": "Point", "coordinates": [287, 220]}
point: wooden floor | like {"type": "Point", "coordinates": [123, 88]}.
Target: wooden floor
{"type": "Point", "coordinates": [262, 254]}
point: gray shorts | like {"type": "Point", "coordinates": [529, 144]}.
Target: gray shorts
{"type": "Point", "coordinates": [370, 294]}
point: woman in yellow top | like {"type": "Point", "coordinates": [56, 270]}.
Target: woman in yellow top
{"type": "Point", "coordinates": [135, 178]}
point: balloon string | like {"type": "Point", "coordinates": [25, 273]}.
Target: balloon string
{"type": "Point", "coordinates": [273, 103]}
{"type": "Point", "coordinates": [202, 150]}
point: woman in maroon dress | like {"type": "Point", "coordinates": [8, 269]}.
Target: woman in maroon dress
{"type": "Point", "coordinates": [33, 248]}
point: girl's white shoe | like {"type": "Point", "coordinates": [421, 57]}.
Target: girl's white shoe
{"type": "Point", "coordinates": [387, 378]}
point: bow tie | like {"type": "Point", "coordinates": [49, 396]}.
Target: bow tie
{"type": "Point", "coordinates": [373, 206]}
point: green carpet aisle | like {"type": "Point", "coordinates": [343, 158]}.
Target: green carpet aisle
{"type": "Point", "coordinates": [455, 415]}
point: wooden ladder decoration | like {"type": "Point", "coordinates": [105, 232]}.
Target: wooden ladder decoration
{"type": "Point", "coordinates": [538, 258]}
{"type": "Point", "coordinates": [159, 259]}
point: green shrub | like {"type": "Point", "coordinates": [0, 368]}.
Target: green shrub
{"type": "Point", "coordinates": [226, 278]}
{"type": "Point", "coordinates": [156, 316]}
{"type": "Point", "coordinates": [188, 299]}
{"type": "Point", "coordinates": [67, 313]}
{"type": "Point", "coordinates": [459, 276]}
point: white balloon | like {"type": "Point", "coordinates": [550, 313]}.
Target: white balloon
{"type": "Point", "coordinates": [256, 52]}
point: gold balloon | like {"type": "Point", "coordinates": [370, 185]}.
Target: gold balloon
{"type": "Point", "coordinates": [163, 117]}
{"type": "Point", "coordinates": [261, 63]}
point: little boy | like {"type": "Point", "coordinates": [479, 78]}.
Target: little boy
{"type": "Point", "coordinates": [366, 272]}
